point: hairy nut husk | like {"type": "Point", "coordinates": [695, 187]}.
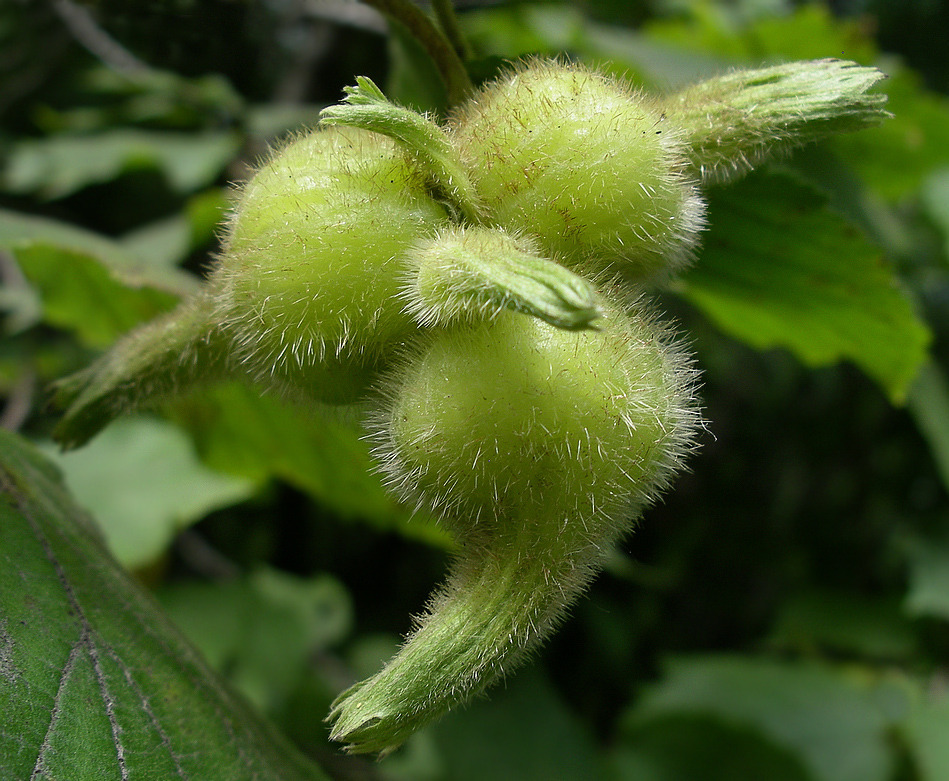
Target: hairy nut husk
{"type": "Point", "coordinates": [585, 163]}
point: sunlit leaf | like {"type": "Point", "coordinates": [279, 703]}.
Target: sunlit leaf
{"type": "Point", "coordinates": [95, 682]}
{"type": "Point", "coordinates": [86, 282]}
{"type": "Point", "coordinates": [80, 294]}
{"type": "Point", "coordinates": [60, 165]}
{"type": "Point", "coordinates": [779, 269]}
{"type": "Point", "coordinates": [143, 483]}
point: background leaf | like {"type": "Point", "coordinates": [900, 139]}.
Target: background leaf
{"type": "Point", "coordinates": [835, 728]}
{"type": "Point", "coordinates": [240, 431]}
{"type": "Point", "coordinates": [79, 294]}
{"type": "Point", "coordinates": [926, 731]}
{"type": "Point", "coordinates": [59, 166]}
{"type": "Point", "coordinates": [778, 269]}
{"type": "Point", "coordinates": [928, 593]}
{"type": "Point", "coordinates": [689, 747]}
{"type": "Point", "coordinates": [260, 631]}
{"type": "Point", "coordinates": [143, 483]}
{"type": "Point", "coordinates": [525, 733]}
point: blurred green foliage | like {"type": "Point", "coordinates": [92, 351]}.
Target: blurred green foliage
{"type": "Point", "coordinates": [783, 615]}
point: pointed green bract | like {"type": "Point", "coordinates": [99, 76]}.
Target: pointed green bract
{"type": "Point", "coordinates": [159, 360]}
{"type": "Point", "coordinates": [366, 107]}
{"type": "Point", "coordinates": [465, 274]}
{"type": "Point", "coordinates": [734, 121]}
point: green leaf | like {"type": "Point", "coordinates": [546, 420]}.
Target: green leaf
{"type": "Point", "coordinates": [523, 733]}
{"type": "Point", "coordinates": [143, 483]}
{"type": "Point", "coordinates": [810, 32]}
{"type": "Point", "coordinates": [835, 727]}
{"type": "Point", "coordinates": [414, 79]}
{"type": "Point", "coordinates": [926, 732]}
{"type": "Point", "coordinates": [87, 282]}
{"type": "Point", "coordinates": [164, 242]}
{"type": "Point", "coordinates": [846, 623]}
{"type": "Point", "coordinates": [60, 165]}
{"type": "Point", "coordinates": [928, 592]}
{"type": "Point", "coordinates": [168, 241]}
{"type": "Point", "coordinates": [238, 430]}
{"type": "Point", "coordinates": [686, 748]}
{"type": "Point", "coordinates": [935, 198]}
{"type": "Point", "coordinates": [928, 403]}
{"type": "Point", "coordinates": [779, 269]}
{"type": "Point", "coordinates": [23, 230]}
{"type": "Point", "coordinates": [268, 121]}
{"type": "Point", "coordinates": [518, 30]}
{"type": "Point", "coordinates": [896, 157]}
{"type": "Point", "coordinates": [95, 682]}
{"type": "Point", "coordinates": [261, 631]}
{"type": "Point", "coordinates": [80, 294]}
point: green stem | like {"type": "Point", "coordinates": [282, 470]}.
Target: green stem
{"type": "Point", "coordinates": [448, 20]}
{"type": "Point", "coordinates": [434, 41]}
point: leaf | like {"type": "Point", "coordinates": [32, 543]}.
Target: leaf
{"type": "Point", "coordinates": [168, 241]}
{"type": "Point", "coordinates": [810, 32]}
{"type": "Point", "coordinates": [414, 80]}
{"type": "Point", "coordinates": [261, 631]}
{"type": "Point", "coordinates": [862, 625]}
{"type": "Point", "coordinates": [87, 282]}
{"type": "Point", "coordinates": [686, 748]}
{"type": "Point", "coordinates": [896, 157]}
{"type": "Point", "coordinates": [928, 592]}
{"type": "Point", "coordinates": [240, 431]}
{"type": "Point", "coordinates": [928, 403]}
{"type": "Point", "coordinates": [95, 682]}
{"type": "Point", "coordinates": [779, 269]}
{"type": "Point", "coordinates": [60, 165]}
{"type": "Point", "coordinates": [935, 199]}
{"type": "Point", "coordinates": [834, 727]}
{"type": "Point", "coordinates": [19, 230]}
{"type": "Point", "coordinates": [523, 733]}
{"type": "Point", "coordinates": [925, 731]}
{"type": "Point", "coordinates": [79, 294]}
{"type": "Point", "coordinates": [143, 483]}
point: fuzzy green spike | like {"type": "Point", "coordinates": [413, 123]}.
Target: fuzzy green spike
{"type": "Point", "coordinates": [734, 121]}
{"type": "Point", "coordinates": [476, 272]}
{"type": "Point", "coordinates": [165, 357]}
